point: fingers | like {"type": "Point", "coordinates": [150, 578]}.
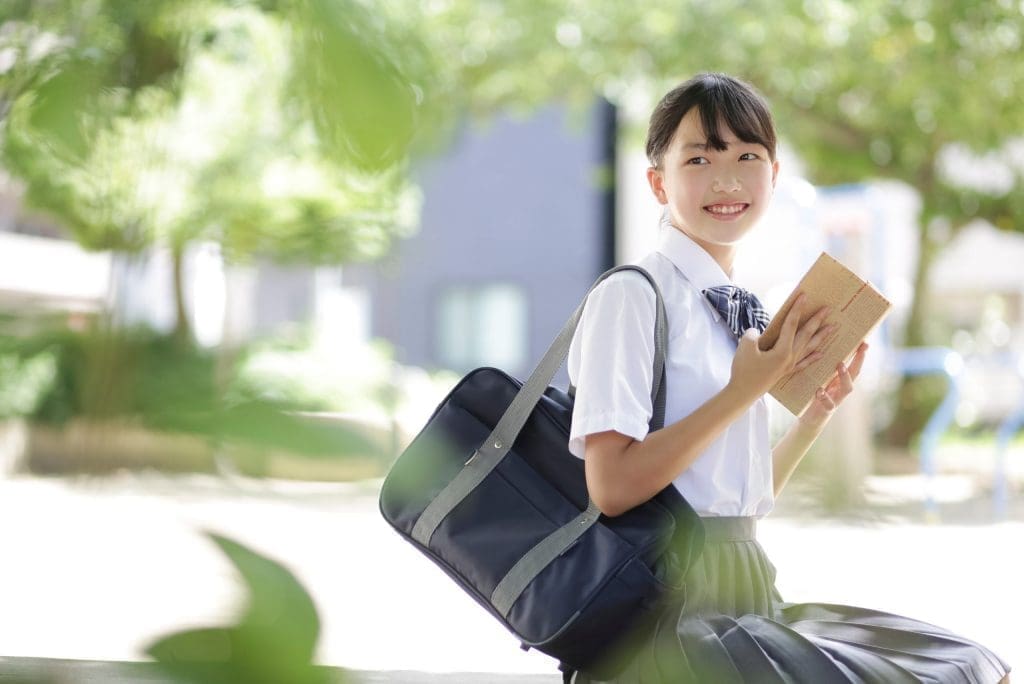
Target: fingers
{"type": "Point", "coordinates": [845, 375]}
{"type": "Point", "coordinates": [842, 382]}
{"type": "Point", "coordinates": [858, 360]}
{"type": "Point", "coordinates": [845, 381]}
{"type": "Point", "coordinates": [848, 374]}
{"type": "Point", "coordinates": [789, 325]}
{"type": "Point", "coordinates": [820, 336]}
{"type": "Point", "coordinates": [812, 357]}
{"type": "Point", "coordinates": [825, 399]}
{"type": "Point", "coordinates": [815, 354]}
{"type": "Point", "coordinates": [750, 337]}
{"type": "Point", "coordinates": [811, 332]}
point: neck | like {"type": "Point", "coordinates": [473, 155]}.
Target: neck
{"type": "Point", "coordinates": [724, 255]}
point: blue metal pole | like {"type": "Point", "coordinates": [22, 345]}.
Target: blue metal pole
{"type": "Point", "coordinates": [1007, 429]}
{"type": "Point", "coordinates": [929, 361]}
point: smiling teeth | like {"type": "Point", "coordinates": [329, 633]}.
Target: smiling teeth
{"type": "Point", "coordinates": [731, 209]}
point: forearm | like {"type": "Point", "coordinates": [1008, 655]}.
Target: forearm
{"type": "Point", "coordinates": [626, 479]}
{"type": "Point", "coordinates": [790, 450]}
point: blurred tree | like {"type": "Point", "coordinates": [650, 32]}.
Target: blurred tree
{"type": "Point", "coordinates": [915, 91]}
{"type": "Point", "coordinates": [335, 95]}
{"type": "Point", "coordinates": [274, 129]}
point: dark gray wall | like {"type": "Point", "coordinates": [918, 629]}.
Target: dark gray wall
{"type": "Point", "coordinates": [516, 201]}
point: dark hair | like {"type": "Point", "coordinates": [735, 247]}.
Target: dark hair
{"type": "Point", "coordinates": [718, 98]}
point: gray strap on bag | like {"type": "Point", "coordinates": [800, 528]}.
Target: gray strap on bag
{"type": "Point", "coordinates": [497, 445]}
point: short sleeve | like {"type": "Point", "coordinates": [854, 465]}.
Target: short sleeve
{"type": "Point", "coordinates": [611, 360]}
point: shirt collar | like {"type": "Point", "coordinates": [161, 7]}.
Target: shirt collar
{"type": "Point", "coordinates": [691, 259]}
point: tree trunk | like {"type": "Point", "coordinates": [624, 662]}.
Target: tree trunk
{"type": "Point", "coordinates": [915, 334]}
{"type": "Point", "coordinates": [182, 328]}
{"type": "Point", "coordinates": [917, 397]}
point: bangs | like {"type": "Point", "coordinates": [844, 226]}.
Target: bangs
{"type": "Point", "coordinates": [746, 118]}
{"type": "Point", "coordinates": [721, 100]}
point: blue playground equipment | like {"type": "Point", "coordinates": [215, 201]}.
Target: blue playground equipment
{"type": "Point", "coordinates": [1007, 429]}
{"type": "Point", "coordinates": [932, 361]}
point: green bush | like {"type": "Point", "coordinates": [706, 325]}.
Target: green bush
{"type": "Point", "coordinates": [24, 382]}
{"type": "Point", "coordinates": [145, 378]}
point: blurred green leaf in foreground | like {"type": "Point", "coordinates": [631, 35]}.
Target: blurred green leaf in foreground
{"type": "Point", "coordinates": [273, 642]}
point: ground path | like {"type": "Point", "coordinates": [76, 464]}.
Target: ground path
{"type": "Point", "coordinates": [95, 568]}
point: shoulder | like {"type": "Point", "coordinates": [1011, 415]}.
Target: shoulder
{"type": "Point", "coordinates": [625, 287]}
{"type": "Point", "coordinates": [683, 301]}
{"type": "Point", "coordinates": [621, 302]}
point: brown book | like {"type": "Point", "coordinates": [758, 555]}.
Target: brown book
{"type": "Point", "coordinates": [857, 308]}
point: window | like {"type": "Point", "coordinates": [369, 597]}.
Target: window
{"type": "Point", "coordinates": [482, 326]}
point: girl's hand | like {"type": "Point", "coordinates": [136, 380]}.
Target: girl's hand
{"type": "Point", "coordinates": [829, 397]}
{"type": "Point", "coordinates": [754, 371]}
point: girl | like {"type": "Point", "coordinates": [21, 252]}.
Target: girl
{"type": "Point", "coordinates": [711, 145]}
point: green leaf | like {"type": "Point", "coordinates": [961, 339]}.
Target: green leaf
{"type": "Point", "coordinates": [273, 641]}
{"type": "Point", "coordinates": [361, 104]}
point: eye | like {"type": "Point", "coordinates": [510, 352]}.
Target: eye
{"type": "Point", "coordinates": [749, 155]}
{"type": "Point", "coordinates": [697, 161]}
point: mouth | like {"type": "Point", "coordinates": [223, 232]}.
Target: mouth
{"type": "Point", "coordinates": [727, 212]}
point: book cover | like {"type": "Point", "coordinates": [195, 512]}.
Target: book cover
{"type": "Point", "coordinates": [857, 307]}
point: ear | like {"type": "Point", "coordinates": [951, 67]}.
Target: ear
{"type": "Point", "coordinates": [775, 172]}
{"type": "Point", "coordinates": [656, 180]}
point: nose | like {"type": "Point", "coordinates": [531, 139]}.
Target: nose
{"type": "Point", "coordinates": [726, 183]}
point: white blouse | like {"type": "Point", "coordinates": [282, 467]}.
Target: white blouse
{"type": "Point", "coordinates": [611, 364]}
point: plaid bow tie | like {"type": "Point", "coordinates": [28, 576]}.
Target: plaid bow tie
{"type": "Point", "coordinates": [740, 308]}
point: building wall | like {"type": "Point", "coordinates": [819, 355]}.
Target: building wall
{"type": "Point", "coordinates": [516, 203]}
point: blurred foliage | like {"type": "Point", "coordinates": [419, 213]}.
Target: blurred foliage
{"type": "Point", "coordinates": [258, 407]}
{"type": "Point", "coordinates": [24, 382]}
{"type": "Point", "coordinates": [360, 384]}
{"type": "Point", "coordinates": [274, 130]}
{"type": "Point", "coordinates": [295, 368]}
{"type": "Point", "coordinates": [140, 377]}
{"type": "Point", "coordinates": [283, 127]}
{"type": "Point", "coordinates": [274, 640]}
{"type": "Point", "coordinates": [861, 89]}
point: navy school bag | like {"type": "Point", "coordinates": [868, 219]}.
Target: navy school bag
{"type": "Point", "coordinates": [490, 493]}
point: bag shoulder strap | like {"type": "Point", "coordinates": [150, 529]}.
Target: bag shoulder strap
{"type": "Point", "coordinates": [657, 420]}
{"type": "Point", "coordinates": [498, 443]}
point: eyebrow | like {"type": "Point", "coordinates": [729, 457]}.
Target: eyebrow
{"type": "Point", "coordinates": [704, 146]}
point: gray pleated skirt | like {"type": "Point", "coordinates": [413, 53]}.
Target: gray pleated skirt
{"type": "Point", "coordinates": [731, 626]}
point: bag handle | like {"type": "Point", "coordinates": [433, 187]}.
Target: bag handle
{"type": "Point", "coordinates": [657, 420]}
{"type": "Point", "coordinates": [489, 454]}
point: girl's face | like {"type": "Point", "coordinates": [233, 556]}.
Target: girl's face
{"type": "Point", "coordinates": [714, 197]}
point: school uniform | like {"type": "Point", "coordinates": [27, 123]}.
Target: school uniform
{"type": "Point", "coordinates": [731, 624]}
